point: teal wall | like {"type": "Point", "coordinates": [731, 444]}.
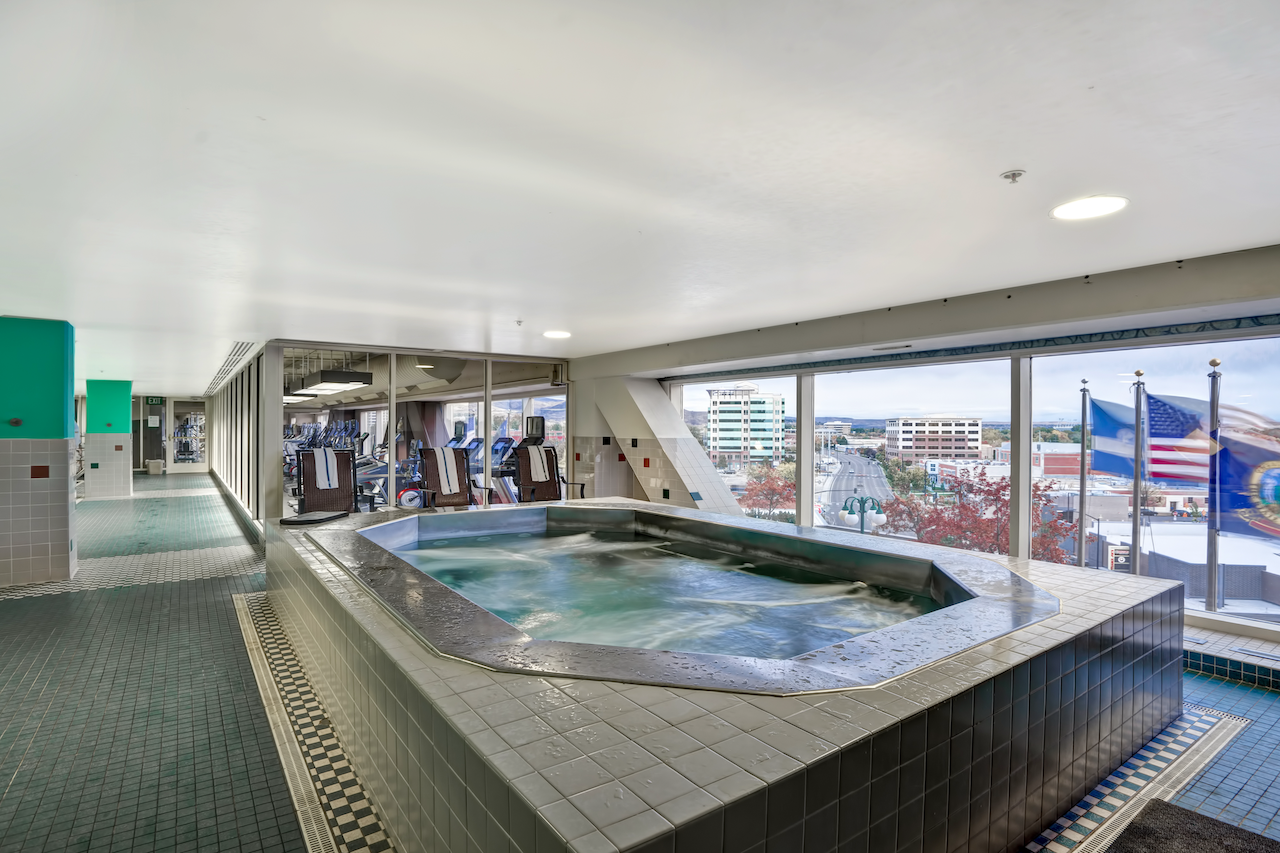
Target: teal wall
{"type": "Point", "coordinates": [39, 389]}
{"type": "Point", "coordinates": [109, 401]}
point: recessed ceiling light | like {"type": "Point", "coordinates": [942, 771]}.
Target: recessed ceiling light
{"type": "Point", "coordinates": [555, 334]}
{"type": "Point", "coordinates": [1087, 208]}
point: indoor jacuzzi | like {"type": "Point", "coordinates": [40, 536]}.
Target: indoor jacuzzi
{"type": "Point", "coordinates": [615, 675]}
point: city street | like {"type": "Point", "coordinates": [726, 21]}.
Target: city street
{"type": "Point", "coordinates": [858, 476]}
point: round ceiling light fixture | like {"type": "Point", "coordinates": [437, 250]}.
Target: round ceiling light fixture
{"type": "Point", "coordinates": [1088, 208]}
{"type": "Point", "coordinates": [556, 335]}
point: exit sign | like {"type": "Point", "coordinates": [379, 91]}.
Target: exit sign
{"type": "Point", "coordinates": [155, 401]}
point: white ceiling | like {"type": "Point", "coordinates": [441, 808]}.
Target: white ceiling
{"type": "Point", "coordinates": [176, 176]}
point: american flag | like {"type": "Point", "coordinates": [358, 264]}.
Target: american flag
{"type": "Point", "coordinates": [1178, 439]}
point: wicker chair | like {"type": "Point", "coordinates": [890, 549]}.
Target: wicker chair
{"type": "Point", "coordinates": [433, 495]}
{"type": "Point", "coordinates": [528, 490]}
{"type": "Point", "coordinates": [341, 498]}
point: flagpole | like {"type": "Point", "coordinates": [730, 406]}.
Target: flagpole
{"type": "Point", "coordinates": [1135, 546]}
{"type": "Point", "coordinates": [1082, 535]}
{"type": "Point", "coordinates": [1213, 595]}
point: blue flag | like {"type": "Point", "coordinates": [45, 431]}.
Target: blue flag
{"type": "Point", "coordinates": [1249, 466]}
{"type": "Point", "coordinates": [1112, 429]}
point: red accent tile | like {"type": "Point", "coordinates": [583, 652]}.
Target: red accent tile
{"type": "Point", "coordinates": [621, 458]}
{"type": "Point", "coordinates": [39, 472]}
{"type": "Point", "coordinates": [119, 447]}
{"type": "Point", "coordinates": [646, 463]}
{"type": "Point", "coordinates": [577, 457]}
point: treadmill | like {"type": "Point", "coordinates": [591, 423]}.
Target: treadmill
{"type": "Point", "coordinates": [459, 435]}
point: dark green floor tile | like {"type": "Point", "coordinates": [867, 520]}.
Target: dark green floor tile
{"type": "Point", "coordinates": [120, 689]}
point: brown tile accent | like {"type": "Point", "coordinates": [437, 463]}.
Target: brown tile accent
{"type": "Point", "coordinates": [119, 447]}
{"type": "Point", "coordinates": [39, 472]}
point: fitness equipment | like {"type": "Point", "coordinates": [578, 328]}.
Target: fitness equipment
{"type": "Point", "coordinates": [459, 434]}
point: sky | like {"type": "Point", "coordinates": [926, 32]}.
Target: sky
{"type": "Point", "coordinates": [1250, 370]}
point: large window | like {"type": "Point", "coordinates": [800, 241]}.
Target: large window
{"type": "Point", "coordinates": [1174, 497]}
{"type": "Point", "coordinates": [748, 432]}
{"type": "Point", "coordinates": [913, 452]}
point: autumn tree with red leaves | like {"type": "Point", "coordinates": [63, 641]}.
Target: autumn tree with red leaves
{"type": "Point", "coordinates": [769, 491]}
{"type": "Point", "coordinates": [975, 517]}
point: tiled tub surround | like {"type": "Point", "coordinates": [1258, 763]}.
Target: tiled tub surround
{"type": "Point", "coordinates": [978, 752]}
{"type": "Point", "coordinates": [979, 599]}
{"type": "Point", "coordinates": [37, 511]}
{"type": "Point", "coordinates": [108, 465]}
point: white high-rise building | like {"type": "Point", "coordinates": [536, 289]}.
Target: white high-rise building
{"type": "Point", "coordinates": [745, 426]}
{"type": "Point", "coordinates": [933, 437]}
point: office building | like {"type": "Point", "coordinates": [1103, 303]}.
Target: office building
{"type": "Point", "coordinates": [933, 437]}
{"type": "Point", "coordinates": [745, 426]}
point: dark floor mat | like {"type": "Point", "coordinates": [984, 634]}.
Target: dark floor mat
{"type": "Point", "coordinates": [1165, 828]}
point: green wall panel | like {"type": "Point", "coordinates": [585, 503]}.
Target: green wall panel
{"type": "Point", "coordinates": [40, 387]}
{"type": "Point", "coordinates": [109, 405]}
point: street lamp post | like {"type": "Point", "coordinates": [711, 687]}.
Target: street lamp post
{"type": "Point", "coordinates": [862, 503]}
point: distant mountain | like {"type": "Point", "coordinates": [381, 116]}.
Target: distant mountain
{"type": "Point", "coordinates": [695, 418]}
{"type": "Point", "coordinates": [864, 423]}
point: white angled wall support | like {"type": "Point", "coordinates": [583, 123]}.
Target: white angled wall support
{"type": "Point", "coordinates": [1021, 523]}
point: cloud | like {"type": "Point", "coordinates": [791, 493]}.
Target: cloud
{"type": "Point", "coordinates": [981, 389]}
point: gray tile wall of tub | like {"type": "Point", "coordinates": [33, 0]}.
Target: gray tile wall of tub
{"type": "Point", "coordinates": [433, 789]}
{"type": "Point", "coordinates": [984, 770]}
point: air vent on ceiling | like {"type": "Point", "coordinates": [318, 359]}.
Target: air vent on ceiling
{"type": "Point", "coordinates": [238, 351]}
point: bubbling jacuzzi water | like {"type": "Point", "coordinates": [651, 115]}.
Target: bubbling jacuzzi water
{"type": "Point", "coordinates": [626, 589]}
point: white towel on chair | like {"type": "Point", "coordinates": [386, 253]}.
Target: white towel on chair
{"type": "Point", "coordinates": [539, 464]}
{"type": "Point", "coordinates": [447, 466]}
{"type": "Point", "coordinates": [326, 469]}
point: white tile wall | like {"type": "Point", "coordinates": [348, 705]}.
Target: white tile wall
{"type": "Point", "coordinates": [37, 516]}
{"type": "Point", "coordinates": [113, 477]}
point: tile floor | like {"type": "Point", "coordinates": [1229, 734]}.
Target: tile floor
{"type": "Point", "coordinates": [129, 715]}
{"type": "Point", "coordinates": [146, 526]}
{"type": "Point", "coordinates": [1242, 785]}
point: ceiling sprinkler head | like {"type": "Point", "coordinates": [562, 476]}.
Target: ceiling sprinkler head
{"type": "Point", "coordinates": [1013, 174]}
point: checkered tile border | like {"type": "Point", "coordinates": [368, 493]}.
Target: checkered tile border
{"type": "Point", "coordinates": [347, 806]}
{"type": "Point", "coordinates": [1073, 828]}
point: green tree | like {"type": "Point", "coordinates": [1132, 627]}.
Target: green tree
{"type": "Point", "coordinates": [994, 437]}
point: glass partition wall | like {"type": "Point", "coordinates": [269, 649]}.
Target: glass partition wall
{"type": "Point", "coordinates": [435, 401]}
